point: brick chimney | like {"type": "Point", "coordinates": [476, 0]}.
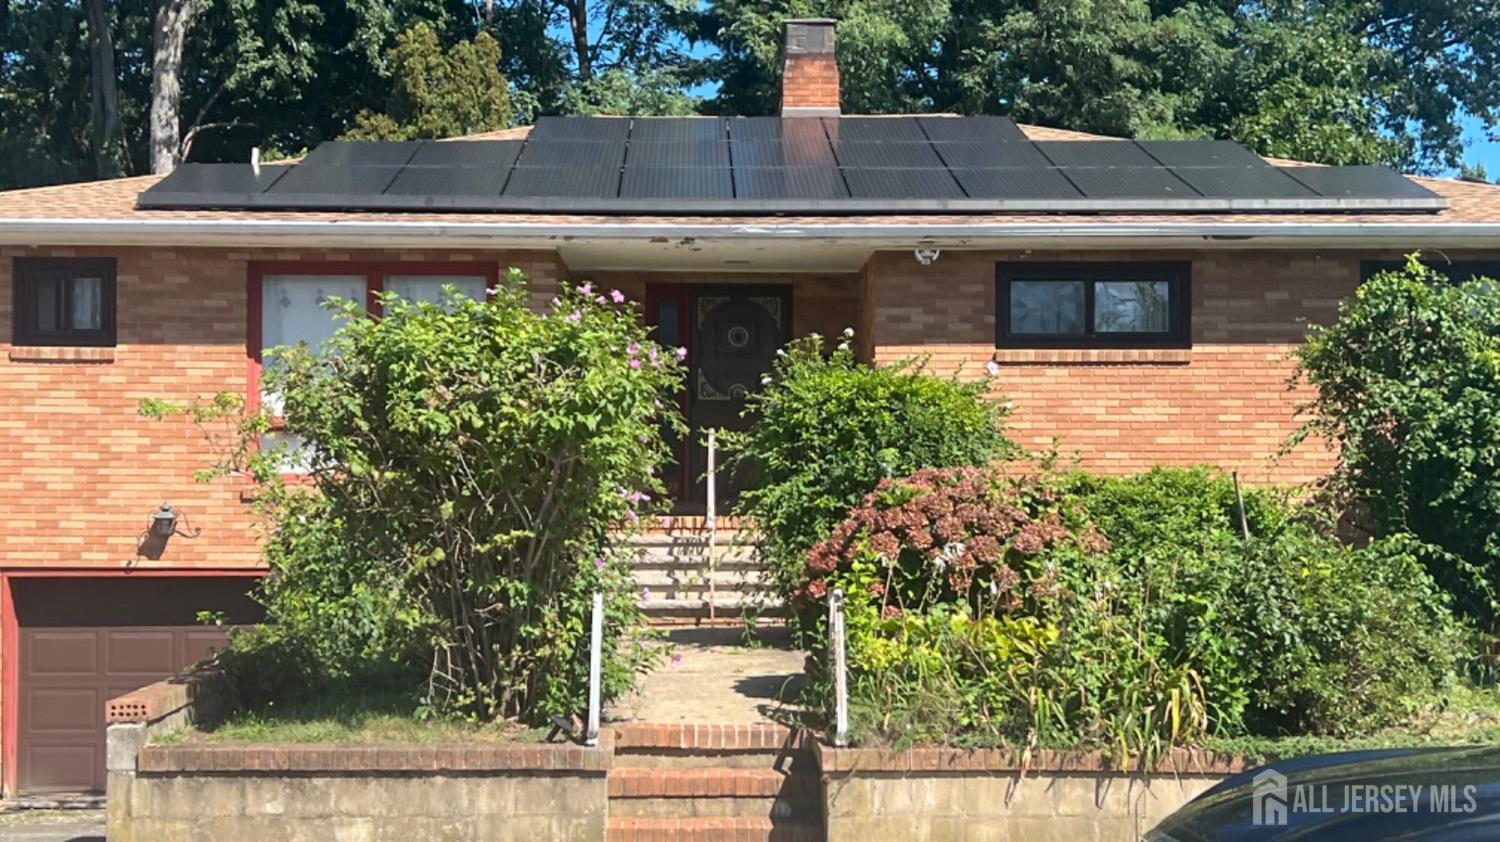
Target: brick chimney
{"type": "Point", "coordinates": [809, 73]}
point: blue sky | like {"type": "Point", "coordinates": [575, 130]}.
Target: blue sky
{"type": "Point", "coordinates": [1481, 149]}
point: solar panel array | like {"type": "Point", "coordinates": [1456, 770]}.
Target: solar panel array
{"type": "Point", "coordinates": [733, 165]}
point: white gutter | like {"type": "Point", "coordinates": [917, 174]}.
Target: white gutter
{"type": "Point", "coordinates": [406, 233]}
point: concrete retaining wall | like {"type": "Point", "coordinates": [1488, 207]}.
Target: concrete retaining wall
{"type": "Point", "coordinates": [361, 793]}
{"type": "Point", "coordinates": [936, 795]}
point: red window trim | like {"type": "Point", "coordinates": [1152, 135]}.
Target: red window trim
{"type": "Point", "coordinates": [374, 272]}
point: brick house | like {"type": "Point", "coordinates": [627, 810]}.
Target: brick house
{"type": "Point", "coordinates": [1136, 332]}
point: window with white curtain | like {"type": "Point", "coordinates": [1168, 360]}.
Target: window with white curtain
{"type": "Point", "coordinates": [429, 288]}
{"type": "Point", "coordinates": [294, 310]}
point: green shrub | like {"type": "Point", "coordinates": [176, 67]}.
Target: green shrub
{"type": "Point", "coordinates": [1119, 612]}
{"type": "Point", "coordinates": [827, 428]}
{"type": "Point", "coordinates": [467, 464]}
{"type": "Point", "coordinates": [1408, 392]}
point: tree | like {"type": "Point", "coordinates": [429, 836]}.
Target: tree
{"type": "Point", "coordinates": [104, 92]}
{"type": "Point", "coordinates": [1330, 80]}
{"type": "Point", "coordinates": [437, 92]}
{"type": "Point", "coordinates": [1408, 395]}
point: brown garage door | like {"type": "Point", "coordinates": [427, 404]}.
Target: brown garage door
{"type": "Point", "coordinates": [84, 641]}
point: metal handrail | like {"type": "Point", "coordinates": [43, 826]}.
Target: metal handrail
{"type": "Point", "coordinates": [713, 525]}
{"type": "Point", "coordinates": [840, 672]}
{"type": "Point", "coordinates": [596, 657]}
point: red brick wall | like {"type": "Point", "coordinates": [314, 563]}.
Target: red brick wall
{"type": "Point", "coordinates": [81, 471]}
{"type": "Point", "coordinates": [1224, 401]}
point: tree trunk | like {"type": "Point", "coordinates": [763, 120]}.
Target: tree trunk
{"type": "Point", "coordinates": [168, 40]}
{"type": "Point", "coordinates": [578, 19]}
{"type": "Point", "coordinates": [104, 93]}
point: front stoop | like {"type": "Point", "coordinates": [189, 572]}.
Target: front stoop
{"type": "Point", "coordinates": [741, 783]}
{"type": "Point", "coordinates": [672, 568]}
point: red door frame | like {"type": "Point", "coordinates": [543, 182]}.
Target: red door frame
{"type": "Point", "coordinates": [10, 645]}
{"type": "Point", "coordinates": [658, 294]}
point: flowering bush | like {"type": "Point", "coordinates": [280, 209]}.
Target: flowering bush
{"type": "Point", "coordinates": [828, 428]}
{"type": "Point", "coordinates": [987, 608]}
{"type": "Point", "coordinates": [470, 461]}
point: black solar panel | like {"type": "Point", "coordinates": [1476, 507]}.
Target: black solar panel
{"type": "Point", "coordinates": [564, 182]}
{"type": "Point", "coordinates": [980, 155]}
{"type": "Point", "coordinates": [220, 178]}
{"type": "Point", "coordinates": [335, 181]}
{"type": "Point", "coordinates": [572, 153]}
{"type": "Point", "coordinates": [1016, 183]}
{"type": "Point", "coordinates": [449, 181]}
{"type": "Point", "coordinates": [859, 153]}
{"type": "Point", "coordinates": [1357, 182]}
{"type": "Point", "coordinates": [676, 129]}
{"type": "Point", "coordinates": [1095, 153]}
{"type": "Point", "coordinates": [580, 128]}
{"type": "Point", "coordinates": [883, 129]}
{"type": "Point", "coordinates": [773, 128]}
{"type": "Point", "coordinates": [771, 165]}
{"type": "Point", "coordinates": [703, 153]}
{"type": "Point", "coordinates": [359, 153]}
{"type": "Point", "coordinates": [1201, 153]}
{"type": "Point", "coordinates": [1128, 183]}
{"type": "Point", "coordinates": [469, 153]}
{"type": "Point", "coordinates": [901, 184]}
{"type": "Point", "coordinates": [981, 129]}
{"type": "Point", "coordinates": [786, 152]}
{"type": "Point", "coordinates": [789, 183]}
{"type": "Point", "coordinates": [676, 183]}
{"type": "Point", "coordinates": [1243, 183]}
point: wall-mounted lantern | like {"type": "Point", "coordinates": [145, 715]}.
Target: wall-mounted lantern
{"type": "Point", "coordinates": [164, 522]}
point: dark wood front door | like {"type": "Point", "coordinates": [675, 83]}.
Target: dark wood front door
{"type": "Point", "coordinates": [736, 331]}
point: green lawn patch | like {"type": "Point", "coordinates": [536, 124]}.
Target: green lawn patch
{"type": "Point", "coordinates": [351, 719]}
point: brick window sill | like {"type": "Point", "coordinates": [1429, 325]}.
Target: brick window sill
{"type": "Point", "coordinates": [1093, 356]}
{"type": "Point", "coordinates": [60, 354]}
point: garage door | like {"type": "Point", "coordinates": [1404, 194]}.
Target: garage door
{"type": "Point", "coordinates": [84, 641]}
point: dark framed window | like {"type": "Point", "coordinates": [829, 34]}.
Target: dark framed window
{"type": "Point", "coordinates": [1456, 271]}
{"type": "Point", "coordinates": [64, 301]}
{"type": "Point", "coordinates": [1092, 305]}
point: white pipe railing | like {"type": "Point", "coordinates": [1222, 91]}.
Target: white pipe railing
{"type": "Point", "coordinates": [712, 524]}
{"type": "Point", "coordinates": [596, 657]}
{"type": "Point", "coordinates": [840, 674]}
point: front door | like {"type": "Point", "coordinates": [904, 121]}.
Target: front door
{"type": "Point", "coordinates": [736, 332]}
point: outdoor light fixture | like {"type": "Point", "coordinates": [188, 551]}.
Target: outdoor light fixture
{"type": "Point", "coordinates": [164, 522]}
{"type": "Point", "coordinates": [926, 255]}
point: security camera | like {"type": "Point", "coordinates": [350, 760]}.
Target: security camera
{"type": "Point", "coordinates": [926, 255]}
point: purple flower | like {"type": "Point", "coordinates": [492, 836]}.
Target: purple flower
{"type": "Point", "coordinates": [598, 299]}
{"type": "Point", "coordinates": [616, 296]}
{"type": "Point", "coordinates": [633, 348]}
{"type": "Point", "coordinates": [645, 594]}
{"type": "Point", "coordinates": [635, 363]}
{"type": "Point", "coordinates": [575, 317]}
{"type": "Point", "coordinates": [556, 302]}
{"type": "Point", "coordinates": [681, 354]}
{"type": "Point", "coordinates": [599, 563]}
{"type": "Point", "coordinates": [676, 660]}
{"type": "Point", "coordinates": [630, 513]}
{"type": "Point", "coordinates": [586, 288]}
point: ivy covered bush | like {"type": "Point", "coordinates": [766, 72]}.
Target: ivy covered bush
{"type": "Point", "coordinates": [1408, 394]}
{"type": "Point", "coordinates": [828, 428]}
{"type": "Point", "coordinates": [465, 464]}
{"type": "Point", "coordinates": [1122, 613]}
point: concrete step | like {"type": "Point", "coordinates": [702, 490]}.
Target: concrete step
{"type": "Point", "coordinates": [712, 829]}
{"type": "Point", "coordinates": [696, 578]}
{"type": "Point", "coordinates": [726, 605]}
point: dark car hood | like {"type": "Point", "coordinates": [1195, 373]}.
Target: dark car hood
{"type": "Point", "coordinates": [1223, 813]}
